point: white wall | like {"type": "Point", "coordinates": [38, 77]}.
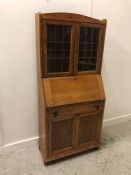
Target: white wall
{"type": "Point", "coordinates": [117, 56]}
{"type": "Point", "coordinates": [18, 85]}
{"type": "Point", "coordinates": [0, 139]}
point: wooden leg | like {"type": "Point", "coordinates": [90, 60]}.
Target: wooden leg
{"type": "Point", "coordinates": [97, 148]}
{"type": "Point", "coordinates": [46, 163]}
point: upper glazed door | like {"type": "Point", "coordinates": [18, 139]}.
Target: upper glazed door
{"type": "Point", "coordinates": [57, 47]}
{"type": "Point", "coordinates": [88, 50]}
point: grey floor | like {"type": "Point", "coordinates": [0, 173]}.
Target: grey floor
{"type": "Point", "coordinates": [113, 158]}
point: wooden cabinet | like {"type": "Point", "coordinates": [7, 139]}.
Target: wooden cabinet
{"type": "Point", "coordinates": [89, 39]}
{"type": "Point", "coordinates": [70, 44]}
{"type": "Point", "coordinates": [61, 133]}
{"type": "Point", "coordinates": [70, 90]}
{"type": "Point", "coordinates": [88, 126]}
{"type": "Point", "coordinates": [57, 51]}
{"type": "Point", "coordinates": [68, 131]}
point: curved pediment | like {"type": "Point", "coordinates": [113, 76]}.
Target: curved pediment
{"type": "Point", "coordinates": [71, 17]}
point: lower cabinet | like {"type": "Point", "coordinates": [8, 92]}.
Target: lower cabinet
{"type": "Point", "coordinates": [88, 128]}
{"type": "Point", "coordinates": [61, 134]}
{"type": "Point", "coordinates": [73, 131]}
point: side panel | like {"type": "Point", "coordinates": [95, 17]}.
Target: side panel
{"type": "Point", "coordinates": [41, 98]}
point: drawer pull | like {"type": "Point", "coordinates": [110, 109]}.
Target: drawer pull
{"type": "Point", "coordinates": [55, 113]}
{"type": "Point", "coordinates": [97, 107]}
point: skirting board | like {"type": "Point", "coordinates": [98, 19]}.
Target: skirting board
{"type": "Point", "coordinates": [0, 140]}
{"type": "Point", "coordinates": [116, 120]}
{"type": "Point", "coordinates": [18, 146]}
{"type": "Point", "coordinates": [23, 144]}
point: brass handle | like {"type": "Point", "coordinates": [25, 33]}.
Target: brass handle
{"type": "Point", "coordinates": [55, 113]}
{"type": "Point", "coordinates": [97, 107]}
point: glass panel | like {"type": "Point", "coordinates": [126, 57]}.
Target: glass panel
{"type": "Point", "coordinates": [58, 48]}
{"type": "Point", "coordinates": [88, 43]}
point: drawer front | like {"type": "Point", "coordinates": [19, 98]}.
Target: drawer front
{"type": "Point", "coordinates": [69, 111]}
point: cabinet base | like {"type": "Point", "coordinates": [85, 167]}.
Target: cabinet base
{"type": "Point", "coordinates": [66, 155]}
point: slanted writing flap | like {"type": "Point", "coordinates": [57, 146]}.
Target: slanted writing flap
{"type": "Point", "coordinates": [75, 89]}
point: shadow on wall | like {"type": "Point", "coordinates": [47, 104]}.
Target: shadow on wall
{"type": "Point", "coordinates": [116, 73]}
{"type": "Point", "coordinates": [1, 140]}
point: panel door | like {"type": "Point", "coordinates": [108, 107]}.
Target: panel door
{"type": "Point", "coordinates": [88, 128]}
{"type": "Point", "coordinates": [88, 51]}
{"type": "Point", "coordinates": [58, 40]}
{"type": "Point", "coordinates": [61, 134]}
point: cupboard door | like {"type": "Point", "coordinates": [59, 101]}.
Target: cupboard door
{"type": "Point", "coordinates": [61, 135]}
{"type": "Point", "coordinates": [88, 53]}
{"type": "Point", "coordinates": [88, 128]}
{"type": "Point", "coordinates": [57, 43]}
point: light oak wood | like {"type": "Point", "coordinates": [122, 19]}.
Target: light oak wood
{"type": "Point", "coordinates": [75, 21]}
{"type": "Point", "coordinates": [101, 28]}
{"type": "Point", "coordinates": [44, 47]}
{"type": "Point", "coordinates": [70, 104]}
{"type": "Point", "coordinates": [71, 17]}
{"type": "Point", "coordinates": [41, 99]}
{"type": "Point", "coordinates": [60, 128]}
{"type": "Point", "coordinates": [70, 90]}
{"type": "Point", "coordinates": [89, 122]}
{"type": "Point", "coordinates": [75, 109]}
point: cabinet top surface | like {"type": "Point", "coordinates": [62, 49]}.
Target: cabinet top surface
{"type": "Point", "coordinates": [62, 91]}
{"type": "Point", "coordinates": [70, 17]}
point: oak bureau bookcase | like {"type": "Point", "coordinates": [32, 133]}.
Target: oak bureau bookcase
{"type": "Point", "coordinates": [70, 91]}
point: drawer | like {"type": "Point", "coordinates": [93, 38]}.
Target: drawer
{"type": "Point", "coordinates": [69, 111]}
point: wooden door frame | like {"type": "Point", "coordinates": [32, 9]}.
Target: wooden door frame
{"type": "Point", "coordinates": [90, 114]}
{"type": "Point", "coordinates": [44, 54]}
{"type": "Point", "coordinates": [99, 49]}
{"type": "Point", "coordinates": [50, 136]}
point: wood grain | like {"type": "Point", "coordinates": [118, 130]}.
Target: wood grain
{"type": "Point", "coordinates": [70, 107]}
{"type": "Point", "coordinates": [70, 90]}
{"type": "Point", "coordinates": [41, 99]}
{"type": "Point", "coordinates": [48, 92]}
{"type": "Point", "coordinates": [44, 55]}
{"type": "Point", "coordinates": [101, 88]}
{"type": "Point", "coordinates": [71, 17]}
{"type": "Point", "coordinates": [75, 21]}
